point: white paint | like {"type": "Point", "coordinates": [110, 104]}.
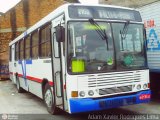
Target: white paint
{"type": "Point", "coordinates": [5, 5]}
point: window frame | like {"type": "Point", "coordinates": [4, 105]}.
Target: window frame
{"type": "Point", "coordinates": [36, 45]}
{"type": "Point", "coordinates": [21, 42]}
{"type": "Point", "coordinates": [17, 51]}
{"type": "Point", "coordinates": [25, 39]}
{"type": "Point", "coordinates": [41, 43]}
{"type": "Point", "coordinates": [10, 53]}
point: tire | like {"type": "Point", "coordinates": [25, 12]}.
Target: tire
{"type": "Point", "coordinates": [20, 90]}
{"type": "Point", "coordinates": [49, 100]}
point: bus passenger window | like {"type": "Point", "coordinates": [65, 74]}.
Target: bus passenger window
{"type": "Point", "coordinates": [22, 49]}
{"type": "Point", "coordinates": [45, 45]}
{"type": "Point", "coordinates": [10, 53]}
{"type": "Point", "coordinates": [17, 51]}
{"type": "Point", "coordinates": [27, 47]}
{"type": "Point", "coordinates": [35, 39]}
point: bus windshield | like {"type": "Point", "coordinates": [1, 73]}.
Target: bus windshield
{"type": "Point", "coordinates": [129, 45]}
{"type": "Point", "coordinates": [89, 52]}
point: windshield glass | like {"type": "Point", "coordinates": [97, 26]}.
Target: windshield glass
{"type": "Point", "coordinates": [129, 44]}
{"type": "Point", "coordinates": [95, 48]}
{"type": "Point", "coordinates": [88, 51]}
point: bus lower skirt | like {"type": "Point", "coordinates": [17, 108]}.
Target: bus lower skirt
{"type": "Point", "coordinates": [78, 105]}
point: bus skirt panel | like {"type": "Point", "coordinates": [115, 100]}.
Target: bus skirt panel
{"type": "Point", "coordinates": [93, 104]}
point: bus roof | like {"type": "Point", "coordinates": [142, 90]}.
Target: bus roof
{"type": "Point", "coordinates": [55, 13]}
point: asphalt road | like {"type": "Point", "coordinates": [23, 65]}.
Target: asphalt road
{"type": "Point", "coordinates": [26, 106]}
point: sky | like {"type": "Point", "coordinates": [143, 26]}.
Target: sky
{"type": "Point", "coordinates": [5, 5]}
{"type": "Point", "coordinates": [89, 1]}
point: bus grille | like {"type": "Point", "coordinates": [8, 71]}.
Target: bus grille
{"type": "Point", "coordinates": [113, 79]}
{"type": "Point", "coordinates": [112, 90]}
{"type": "Point", "coordinates": [110, 83]}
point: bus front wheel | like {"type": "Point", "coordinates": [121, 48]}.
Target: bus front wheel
{"type": "Point", "coordinates": [49, 100]}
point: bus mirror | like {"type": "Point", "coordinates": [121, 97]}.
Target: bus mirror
{"type": "Point", "coordinates": [60, 34]}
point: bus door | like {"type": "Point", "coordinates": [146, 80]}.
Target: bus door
{"type": "Point", "coordinates": [57, 68]}
{"type": "Point", "coordinates": [13, 63]}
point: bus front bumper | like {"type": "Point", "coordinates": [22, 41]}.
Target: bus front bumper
{"type": "Point", "coordinates": [88, 104]}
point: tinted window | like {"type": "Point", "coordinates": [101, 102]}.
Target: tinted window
{"type": "Point", "coordinates": [45, 49]}
{"type": "Point", "coordinates": [35, 39]}
{"type": "Point", "coordinates": [27, 47]}
{"type": "Point", "coordinates": [17, 51]}
{"type": "Point", "coordinates": [22, 49]}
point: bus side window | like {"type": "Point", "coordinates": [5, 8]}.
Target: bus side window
{"type": "Point", "coordinates": [17, 51]}
{"type": "Point", "coordinates": [45, 44]}
{"type": "Point", "coordinates": [22, 49]}
{"type": "Point", "coordinates": [27, 47]}
{"type": "Point", "coordinates": [10, 53]}
{"type": "Point", "coordinates": [34, 43]}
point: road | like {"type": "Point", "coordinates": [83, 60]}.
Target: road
{"type": "Point", "coordinates": [26, 106]}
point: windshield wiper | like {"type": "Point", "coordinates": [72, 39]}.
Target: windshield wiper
{"type": "Point", "coordinates": [124, 32]}
{"type": "Point", "coordinates": [100, 31]}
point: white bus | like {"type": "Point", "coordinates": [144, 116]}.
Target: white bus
{"type": "Point", "coordinates": [83, 58]}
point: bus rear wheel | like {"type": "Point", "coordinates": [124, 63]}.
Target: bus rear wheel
{"type": "Point", "coordinates": [49, 100]}
{"type": "Point", "coordinates": [20, 90]}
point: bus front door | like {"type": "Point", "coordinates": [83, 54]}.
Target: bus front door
{"type": "Point", "coordinates": [57, 71]}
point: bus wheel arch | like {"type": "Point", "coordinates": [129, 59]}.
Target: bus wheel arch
{"type": "Point", "coordinates": [44, 82]}
{"type": "Point", "coordinates": [19, 88]}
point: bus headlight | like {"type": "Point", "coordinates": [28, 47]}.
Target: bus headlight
{"type": "Point", "coordinates": [90, 93]}
{"type": "Point", "coordinates": [82, 94]}
{"type": "Point", "coordinates": [138, 87]}
{"type": "Point", "coordinates": [145, 86]}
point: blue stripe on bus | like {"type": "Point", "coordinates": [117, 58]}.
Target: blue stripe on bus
{"type": "Point", "coordinates": [27, 61]}
{"type": "Point", "coordinates": [23, 65]}
{"type": "Point", "coordinates": [88, 104]}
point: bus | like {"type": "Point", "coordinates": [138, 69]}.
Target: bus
{"type": "Point", "coordinates": [82, 58]}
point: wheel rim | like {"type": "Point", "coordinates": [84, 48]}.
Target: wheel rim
{"type": "Point", "coordinates": [48, 98]}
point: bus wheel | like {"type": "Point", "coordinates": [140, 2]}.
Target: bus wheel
{"type": "Point", "coordinates": [49, 100]}
{"type": "Point", "coordinates": [20, 90]}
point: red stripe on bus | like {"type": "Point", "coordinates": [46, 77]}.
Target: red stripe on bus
{"type": "Point", "coordinates": [51, 83]}
{"type": "Point", "coordinates": [20, 75]}
{"type": "Point", "coordinates": [35, 79]}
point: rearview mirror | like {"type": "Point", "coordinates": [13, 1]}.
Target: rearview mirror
{"type": "Point", "coordinates": [60, 33]}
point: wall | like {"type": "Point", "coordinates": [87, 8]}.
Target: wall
{"type": "Point", "coordinates": [151, 18]}
{"type": "Point", "coordinates": [18, 19]}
